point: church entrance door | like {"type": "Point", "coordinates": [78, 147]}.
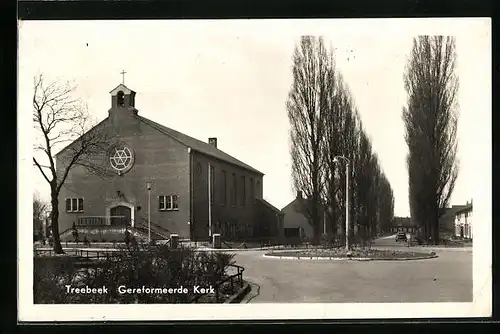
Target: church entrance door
{"type": "Point", "coordinates": [121, 215]}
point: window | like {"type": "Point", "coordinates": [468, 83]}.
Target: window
{"type": "Point", "coordinates": [233, 190]}
{"type": "Point", "coordinates": [212, 184]}
{"type": "Point", "coordinates": [74, 204]}
{"type": "Point", "coordinates": [252, 189]}
{"type": "Point", "coordinates": [243, 190]}
{"type": "Point", "coordinates": [223, 188]}
{"type": "Point", "coordinates": [161, 202]}
{"type": "Point", "coordinates": [258, 189]}
{"type": "Point", "coordinates": [168, 203]}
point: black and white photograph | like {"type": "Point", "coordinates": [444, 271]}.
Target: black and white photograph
{"type": "Point", "coordinates": [289, 169]}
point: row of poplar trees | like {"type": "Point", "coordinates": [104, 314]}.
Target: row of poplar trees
{"type": "Point", "coordinates": [325, 123]}
{"type": "Point", "coordinates": [430, 118]}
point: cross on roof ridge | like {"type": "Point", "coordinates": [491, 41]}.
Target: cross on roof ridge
{"type": "Point", "coordinates": [123, 76]}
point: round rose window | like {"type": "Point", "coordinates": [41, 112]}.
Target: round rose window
{"type": "Point", "coordinates": [121, 159]}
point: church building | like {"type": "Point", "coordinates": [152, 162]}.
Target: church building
{"type": "Point", "coordinates": [163, 182]}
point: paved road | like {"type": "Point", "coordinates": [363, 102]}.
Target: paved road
{"type": "Point", "coordinates": [447, 278]}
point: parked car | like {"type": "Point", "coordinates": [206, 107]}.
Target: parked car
{"type": "Point", "coordinates": [401, 236]}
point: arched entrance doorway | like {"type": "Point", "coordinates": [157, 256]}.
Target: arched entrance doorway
{"type": "Point", "coordinates": [121, 215]}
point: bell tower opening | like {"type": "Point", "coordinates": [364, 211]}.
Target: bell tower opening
{"type": "Point", "coordinates": [122, 97]}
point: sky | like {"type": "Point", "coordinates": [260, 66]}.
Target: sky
{"type": "Point", "coordinates": [230, 80]}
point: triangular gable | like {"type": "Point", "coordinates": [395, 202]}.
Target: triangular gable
{"type": "Point", "coordinates": [74, 141]}
{"type": "Point", "coordinates": [269, 205]}
{"type": "Point", "coordinates": [123, 88]}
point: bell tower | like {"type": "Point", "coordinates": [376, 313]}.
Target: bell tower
{"type": "Point", "coordinates": [122, 109]}
{"type": "Point", "coordinates": [122, 97]}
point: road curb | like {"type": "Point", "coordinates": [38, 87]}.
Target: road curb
{"type": "Point", "coordinates": [93, 249]}
{"type": "Point", "coordinates": [331, 258]}
{"type": "Point", "coordinates": [233, 249]}
{"type": "Point", "coordinates": [237, 297]}
{"type": "Point", "coordinates": [448, 249]}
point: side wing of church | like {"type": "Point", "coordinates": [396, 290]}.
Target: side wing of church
{"type": "Point", "coordinates": [161, 182]}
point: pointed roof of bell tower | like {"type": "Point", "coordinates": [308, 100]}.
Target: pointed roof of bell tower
{"type": "Point", "coordinates": [122, 96]}
{"type": "Point", "coordinates": [123, 88]}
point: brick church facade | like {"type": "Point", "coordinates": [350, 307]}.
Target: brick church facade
{"type": "Point", "coordinates": [160, 168]}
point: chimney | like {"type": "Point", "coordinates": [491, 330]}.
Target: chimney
{"type": "Point", "coordinates": [299, 194]}
{"type": "Point", "coordinates": [213, 141]}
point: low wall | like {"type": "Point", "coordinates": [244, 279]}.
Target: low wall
{"type": "Point", "coordinates": [101, 234]}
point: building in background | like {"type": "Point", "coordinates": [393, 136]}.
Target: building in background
{"type": "Point", "coordinates": [447, 221]}
{"type": "Point", "coordinates": [404, 224]}
{"type": "Point", "coordinates": [463, 222]}
{"type": "Point", "coordinates": [448, 228]}
{"type": "Point", "coordinates": [296, 224]}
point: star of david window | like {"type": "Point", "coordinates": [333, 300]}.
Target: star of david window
{"type": "Point", "coordinates": [121, 159]}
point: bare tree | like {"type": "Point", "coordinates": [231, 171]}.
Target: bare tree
{"type": "Point", "coordinates": [60, 119]}
{"type": "Point", "coordinates": [324, 124]}
{"type": "Point", "coordinates": [366, 176]}
{"type": "Point", "coordinates": [338, 103]}
{"type": "Point", "coordinates": [386, 203]}
{"type": "Point", "coordinates": [307, 105]}
{"type": "Point", "coordinates": [371, 200]}
{"type": "Point", "coordinates": [352, 131]}
{"type": "Point", "coordinates": [431, 117]}
{"type": "Point", "coordinates": [337, 141]}
{"type": "Point", "coordinates": [40, 208]}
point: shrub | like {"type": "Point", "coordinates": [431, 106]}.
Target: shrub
{"type": "Point", "coordinates": [74, 232]}
{"type": "Point", "coordinates": [127, 238]}
{"type": "Point", "coordinates": [49, 272]}
{"type": "Point", "coordinates": [134, 266]}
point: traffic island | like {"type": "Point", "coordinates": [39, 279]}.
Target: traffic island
{"type": "Point", "coordinates": [353, 255]}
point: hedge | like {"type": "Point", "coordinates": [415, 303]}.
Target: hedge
{"type": "Point", "coordinates": [152, 266]}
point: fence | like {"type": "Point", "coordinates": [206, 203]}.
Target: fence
{"type": "Point", "coordinates": [235, 279]}
{"type": "Point", "coordinates": [80, 253]}
{"type": "Point", "coordinates": [103, 221]}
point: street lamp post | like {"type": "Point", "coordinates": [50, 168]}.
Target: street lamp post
{"type": "Point", "coordinates": [209, 201]}
{"type": "Point", "coordinates": [324, 222]}
{"type": "Point", "coordinates": [148, 185]}
{"type": "Point", "coordinates": [336, 159]}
